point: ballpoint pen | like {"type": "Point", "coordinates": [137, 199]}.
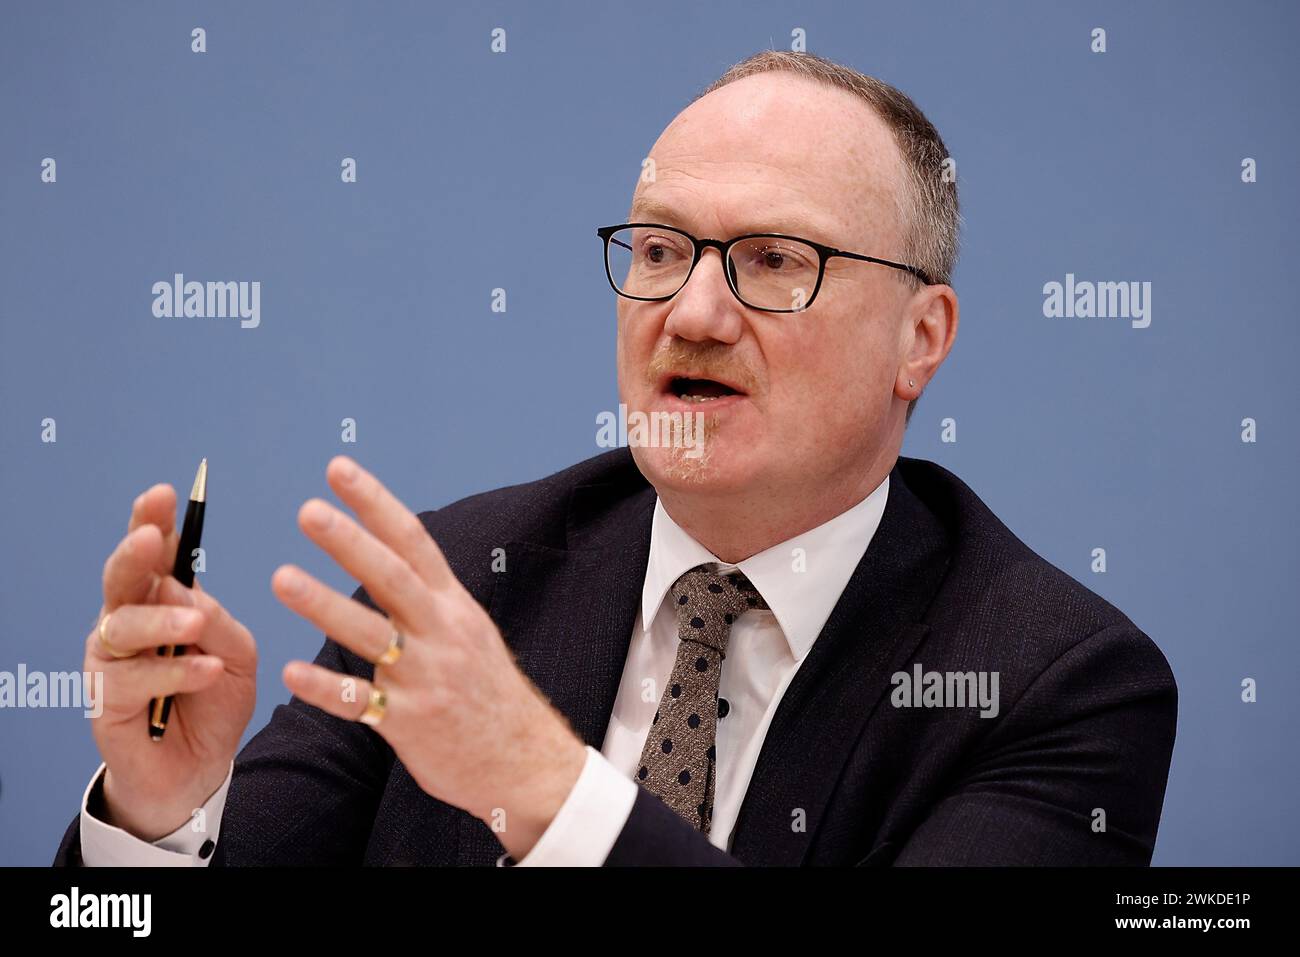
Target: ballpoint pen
{"type": "Point", "coordinates": [183, 572]}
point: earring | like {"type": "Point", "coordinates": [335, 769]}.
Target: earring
{"type": "Point", "coordinates": [911, 383]}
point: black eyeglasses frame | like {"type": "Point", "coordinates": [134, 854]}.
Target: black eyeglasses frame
{"type": "Point", "coordinates": [723, 246]}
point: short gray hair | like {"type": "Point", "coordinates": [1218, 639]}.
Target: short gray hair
{"type": "Point", "coordinates": [929, 211]}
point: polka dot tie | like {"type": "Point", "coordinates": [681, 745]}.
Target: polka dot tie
{"type": "Point", "coordinates": [680, 755]}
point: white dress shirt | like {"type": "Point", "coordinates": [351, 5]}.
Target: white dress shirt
{"type": "Point", "coordinates": [801, 579]}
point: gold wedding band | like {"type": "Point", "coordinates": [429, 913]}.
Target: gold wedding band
{"type": "Point", "coordinates": [103, 640]}
{"type": "Point", "coordinates": [374, 712]}
{"type": "Point", "coordinates": [394, 649]}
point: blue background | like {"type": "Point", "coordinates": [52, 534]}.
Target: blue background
{"type": "Point", "coordinates": [376, 305]}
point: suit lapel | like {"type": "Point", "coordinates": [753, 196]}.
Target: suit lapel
{"type": "Point", "coordinates": [872, 632]}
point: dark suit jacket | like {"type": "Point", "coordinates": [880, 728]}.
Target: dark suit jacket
{"type": "Point", "coordinates": [1087, 702]}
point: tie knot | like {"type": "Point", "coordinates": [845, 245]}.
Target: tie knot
{"type": "Point", "coordinates": [708, 602]}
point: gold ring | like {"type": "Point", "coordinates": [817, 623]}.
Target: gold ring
{"type": "Point", "coordinates": [394, 649]}
{"type": "Point", "coordinates": [103, 640]}
{"type": "Point", "coordinates": [374, 712]}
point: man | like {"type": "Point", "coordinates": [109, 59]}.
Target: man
{"type": "Point", "coordinates": [785, 645]}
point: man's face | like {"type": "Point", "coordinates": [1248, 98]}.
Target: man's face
{"type": "Point", "coordinates": [813, 390]}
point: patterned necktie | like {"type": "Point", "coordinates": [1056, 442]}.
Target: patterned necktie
{"type": "Point", "coordinates": [680, 756]}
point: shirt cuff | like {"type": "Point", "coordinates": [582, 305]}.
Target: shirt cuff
{"type": "Point", "coordinates": [190, 845]}
{"type": "Point", "coordinates": [584, 830]}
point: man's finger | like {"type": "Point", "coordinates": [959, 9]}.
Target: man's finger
{"type": "Point", "coordinates": [344, 696]}
{"type": "Point", "coordinates": [132, 629]}
{"type": "Point", "coordinates": [130, 574]}
{"type": "Point", "coordinates": [389, 520]}
{"type": "Point", "coordinates": [348, 622]}
{"type": "Point", "coordinates": [389, 580]}
{"type": "Point", "coordinates": [155, 506]}
{"type": "Point", "coordinates": [222, 634]}
{"type": "Point", "coordinates": [131, 683]}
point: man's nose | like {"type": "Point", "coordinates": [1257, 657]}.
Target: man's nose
{"type": "Point", "coordinates": [704, 308]}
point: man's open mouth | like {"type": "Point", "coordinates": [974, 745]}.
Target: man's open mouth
{"type": "Point", "coordinates": [699, 390]}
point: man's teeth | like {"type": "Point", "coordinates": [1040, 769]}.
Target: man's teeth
{"type": "Point", "coordinates": [700, 398]}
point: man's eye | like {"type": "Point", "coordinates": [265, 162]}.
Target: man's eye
{"type": "Point", "coordinates": [777, 259]}
{"type": "Point", "coordinates": [656, 252]}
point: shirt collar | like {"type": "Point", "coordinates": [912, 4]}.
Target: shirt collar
{"type": "Point", "coordinates": [801, 587]}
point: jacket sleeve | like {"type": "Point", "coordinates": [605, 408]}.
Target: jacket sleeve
{"type": "Point", "coordinates": [655, 836]}
{"type": "Point", "coordinates": [1075, 772]}
{"type": "Point", "coordinates": [305, 789]}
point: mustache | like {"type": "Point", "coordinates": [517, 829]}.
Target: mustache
{"type": "Point", "coordinates": [707, 360]}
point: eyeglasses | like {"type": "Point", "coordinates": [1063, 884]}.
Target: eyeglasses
{"type": "Point", "coordinates": [766, 271]}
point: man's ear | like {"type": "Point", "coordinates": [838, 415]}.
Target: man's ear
{"type": "Point", "coordinates": [929, 328]}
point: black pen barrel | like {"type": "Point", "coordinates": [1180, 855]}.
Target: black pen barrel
{"type": "Point", "coordinates": [183, 572]}
{"type": "Point", "coordinates": [191, 534]}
